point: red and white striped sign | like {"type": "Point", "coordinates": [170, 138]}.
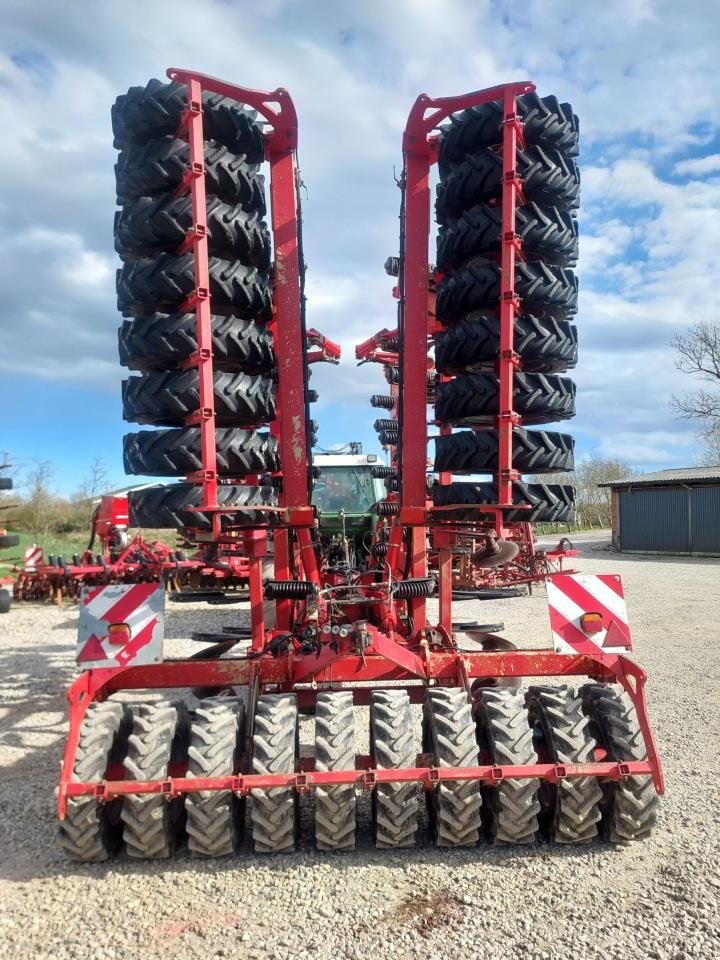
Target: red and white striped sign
{"type": "Point", "coordinates": [139, 605]}
{"type": "Point", "coordinates": [33, 556]}
{"type": "Point", "coordinates": [571, 596]}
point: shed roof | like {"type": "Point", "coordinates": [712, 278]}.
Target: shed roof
{"type": "Point", "coordinates": [663, 477]}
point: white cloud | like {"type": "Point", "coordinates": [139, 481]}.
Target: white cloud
{"type": "Point", "coordinates": [699, 166]}
{"type": "Point", "coordinates": [648, 244]}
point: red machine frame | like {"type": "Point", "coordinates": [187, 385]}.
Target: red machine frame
{"type": "Point", "coordinates": [379, 652]}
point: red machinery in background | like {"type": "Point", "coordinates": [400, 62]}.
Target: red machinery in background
{"type": "Point", "coordinates": [495, 762]}
{"type": "Point", "coordinates": [112, 557]}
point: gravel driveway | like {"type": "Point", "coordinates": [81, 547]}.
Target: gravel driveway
{"type": "Point", "coordinates": [656, 899]}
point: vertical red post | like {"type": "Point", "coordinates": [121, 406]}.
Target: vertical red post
{"type": "Point", "coordinates": [202, 301]}
{"type": "Point", "coordinates": [508, 303]}
{"type": "Point", "coordinates": [287, 329]}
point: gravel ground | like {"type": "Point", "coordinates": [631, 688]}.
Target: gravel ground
{"type": "Point", "coordinates": [656, 899]}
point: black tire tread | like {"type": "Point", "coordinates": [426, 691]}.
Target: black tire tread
{"type": "Point", "coordinates": [91, 832]}
{"type": "Point", "coordinates": [156, 110]}
{"type": "Point", "coordinates": [543, 290]}
{"type": "Point", "coordinates": [546, 234]}
{"type": "Point", "coordinates": [150, 830]}
{"type": "Point", "coordinates": [537, 397]}
{"type": "Point", "coordinates": [164, 282]}
{"type": "Point", "coordinates": [548, 178]}
{"type": "Point", "coordinates": [633, 803]}
{"type": "Point", "coordinates": [544, 345]}
{"type": "Point", "coordinates": [534, 451]}
{"type": "Point", "coordinates": [217, 740]}
{"type": "Point", "coordinates": [395, 804]}
{"type": "Point", "coordinates": [176, 453]}
{"type": "Point", "coordinates": [504, 728]}
{"type": "Point", "coordinates": [159, 166]}
{"type": "Point", "coordinates": [576, 807]}
{"type": "Point", "coordinates": [549, 503]}
{"type": "Point", "coordinates": [168, 398]}
{"type": "Point", "coordinates": [274, 751]}
{"type": "Point", "coordinates": [456, 804]}
{"type": "Point", "coordinates": [148, 224]}
{"type": "Point", "coordinates": [545, 120]}
{"type": "Point", "coordinates": [168, 506]}
{"type": "Point", "coordinates": [335, 750]}
{"type": "Point", "coordinates": [163, 340]}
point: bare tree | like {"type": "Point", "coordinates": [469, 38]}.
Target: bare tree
{"type": "Point", "coordinates": [97, 481]}
{"type": "Point", "coordinates": [699, 351]}
{"type": "Point", "coordinates": [39, 506]}
{"type": "Point", "coordinates": [592, 502]}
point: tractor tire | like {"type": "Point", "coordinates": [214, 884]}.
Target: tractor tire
{"type": "Point", "coordinates": [163, 340]}
{"type": "Point", "coordinates": [156, 110]}
{"type": "Point", "coordinates": [165, 281]}
{"type": "Point", "coordinates": [549, 503]}
{"type": "Point", "coordinates": [9, 540]}
{"type": "Point", "coordinates": [176, 453]}
{"type": "Point", "coordinates": [394, 805]}
{"type": "Point", "coordinates": [160, 736]}
{"type": "Point", "coordinates": [169, 506]}
{"type": "Point", "coordinates": [5, 600]}
{"type": "Point", "coordinates": [630, 806]}
{"type": "Point", "coordinates": [335, 750]}
{"type": "Point", "coordinates": [168, 398]}
{"type": "Point", "coordinates": [544, 345]}
{"type": "Point", "coordinates": [548, 178]}
{"type": "Point", "coordinates": [506, 737]}
{"type": "Point", "coordinates": [160, 165]}
{"type": "Point", "coordinates": [534, 451]}
{"type": "Point", "coordinates": [570, 809]}
{"type": "Point", "coordinates": [538, 397]}
{"type": "Point", "coordinates": [543, 290]}
{"type": "Point", "coordinates": [149, 224]}
{"type": "Point", "coordinates": [92, 831]}
{"type": "Point", "coordinates": [449, 734]}
{"type": "Point", "coordinates": [216, 746]}
{"type": "Point", "coordinates": [546, 234]}
{"type": "Point", "coordinates": [545, 121]}
{"type": "Point", "coordinates": [275, 750]}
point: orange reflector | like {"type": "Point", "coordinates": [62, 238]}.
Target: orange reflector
{"type": "Point", "coordinates": [118, 634]}
{"type": "Point", "coordinates": [591, 622]}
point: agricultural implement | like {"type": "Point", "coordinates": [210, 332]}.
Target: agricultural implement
{"type": "Point", "coordinates": [493, 761]}
{"type": "Point", "coordinates": [123, 559]}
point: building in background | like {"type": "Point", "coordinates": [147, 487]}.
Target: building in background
{"type": "Point", "coordinates": [672, 511]}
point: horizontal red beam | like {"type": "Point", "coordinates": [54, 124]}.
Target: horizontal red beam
{"type": "Point", "coordinates": [348, 668]}
{"type": "Point", "coordinates": [429, 777]}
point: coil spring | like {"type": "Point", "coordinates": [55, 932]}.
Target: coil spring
{"type": "Point", "coordinates": [389, 438]}
{"type": "Point", "coordinates": [382, 401]}
{"type": "Point", "coordinates": [391, 343]}
{"type": "Point", "coordinates": [380, 473]}
{"type": "Point", "coordinates": [410, 589]}
{"type": "Point", "coordinates": [386, 508]}
{"type": "Point", "coordinates": [385, 425]}
{"type": "Point", "coordinates": [379, 550]}
{"type": "Point", "coordinates": [288, 589]}
{"type": "Point", "coordinates": [392, 374]}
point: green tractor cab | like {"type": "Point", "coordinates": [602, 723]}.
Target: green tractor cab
{"type": "Point", "coordinates": [344, 494]}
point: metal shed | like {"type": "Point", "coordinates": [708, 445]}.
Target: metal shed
{"type": "Point", "coordinates": [672, 511]}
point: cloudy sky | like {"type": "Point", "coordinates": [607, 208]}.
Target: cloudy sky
{"type": "Point", "coordinates": [642, 75]}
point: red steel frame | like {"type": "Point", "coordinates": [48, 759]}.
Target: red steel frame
{"type": "Point", "coordinates": [427, 656]}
